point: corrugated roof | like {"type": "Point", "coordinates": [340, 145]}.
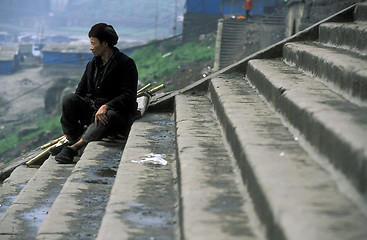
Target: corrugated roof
{"type": "Point", "coordinates": [7, 52]}
{"type": "Point", "coordinates": [72, 47]}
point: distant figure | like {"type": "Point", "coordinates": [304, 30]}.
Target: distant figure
{"type": "Point", "coordinates": [248, 5]}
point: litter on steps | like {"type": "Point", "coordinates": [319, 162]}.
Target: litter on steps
{"type": "Point", "coordinates": [155, 159]}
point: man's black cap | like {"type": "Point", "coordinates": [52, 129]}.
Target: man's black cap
{"type": "Point", "coordinates": [104, 32]}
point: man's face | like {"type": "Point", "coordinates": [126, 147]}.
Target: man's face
{"type": "Point", "coordinates": [97, 47]}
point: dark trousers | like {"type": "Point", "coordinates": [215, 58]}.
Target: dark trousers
{"type": "Point", "coordinates": [77, 113]}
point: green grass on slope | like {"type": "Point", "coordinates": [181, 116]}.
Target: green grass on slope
{"type": "Point", "coordinates": [48, 124]}
{"type": "Point", "coordinates": [155, 62]}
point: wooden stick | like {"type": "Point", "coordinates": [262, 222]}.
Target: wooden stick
{"type": "Point", "coordinates": [156, 89]}
{"type": "Point", "coordinates": [45, 153]}
{"type": "Point", "coordinates": [52, 142]}
{"type": "Point", "coordinates": [144, 88]}
{"type": "Point", "coordinates": [40, 157]}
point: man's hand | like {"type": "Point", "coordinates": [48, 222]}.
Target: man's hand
{"type": "Point", "coordinates": [101, 115]}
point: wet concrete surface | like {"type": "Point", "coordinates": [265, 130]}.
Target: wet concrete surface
{"type": "Point", "coordinates": [34, 217]}
{"type": "Point", "coordinates": [154, 215]}
{"type": "Point", "coordinates": [28, 209]}
{"type": "Point", "coordinates": [227, 203]}
{"type": "Point", "coordinates": [99, 179]}
{"type": "Point", "coordinates": [6, 201]}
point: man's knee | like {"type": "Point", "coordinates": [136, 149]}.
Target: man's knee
{"type": "Point", "coordinates": [118, 121]}
{"type": "Point", "coordinates": [69, 98]}
{"type": "Point", "coordinates": [111, 114]}
{"type": "Point", "coordinates": [115, 118]}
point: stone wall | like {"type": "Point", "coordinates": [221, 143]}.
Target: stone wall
{"type": "Point", "coordinates": [196, 24]}
{"type": "Point", "coordinates": [304, 13]}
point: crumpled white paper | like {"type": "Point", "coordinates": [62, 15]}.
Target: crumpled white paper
{"type": "Point", "coordinates": [155, 159]}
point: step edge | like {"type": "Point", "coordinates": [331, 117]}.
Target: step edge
{"type": "Point", "coordinates": [333, 72]}
{"type": "Point", "coordinates": [271, 93]}
{"type": "Point", "coordinates": [181, 122]}
{"type": "Point", "coordinates": [111, 219]}
{"type": "Point", "coordinates": [36, 182]}
{"type": "Point", "coordinates": [342, 30]}
{"type": "Point", "coordinates": [69, 189]}
{"type": "Point", "coordinates": [256, 194]}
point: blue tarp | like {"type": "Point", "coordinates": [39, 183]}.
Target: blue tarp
{"type": "Point", "coordinates": [225, 7]}
{"type": "Point", "coordinates": [6, 67]}
{"type": "Point", "coordinates": [204, 6]}
{"type": "Point", "coordinates": [232, 6]}
{"type": "Point", "coordinates": [60, 58]}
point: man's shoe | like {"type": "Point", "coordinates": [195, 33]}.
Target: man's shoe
{"type": "Point", "coordinates": [54, 150]}
{"type": "Point", "coordinates": [66, 156]}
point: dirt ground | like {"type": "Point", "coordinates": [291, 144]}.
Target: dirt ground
{"type": "Point", "coordinates": [22, 93]}
{"type": "Point", "coordinates": [22, 100]}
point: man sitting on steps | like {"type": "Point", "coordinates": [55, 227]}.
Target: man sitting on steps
{"type": "Point", "coordinates": [105, 99]}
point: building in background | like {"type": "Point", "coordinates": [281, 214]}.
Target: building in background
{"type": "Point", "coordinates": [202, 15]}
{"type": "Point", "coordinates": [9, 58]}
{"type": "Point", "coordinates": [73, 54]}
{"type": "Point", "coordinates": [225, 7]}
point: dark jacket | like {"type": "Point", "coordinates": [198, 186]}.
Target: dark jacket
{"type": "Point", "coordinates": [116, 86]}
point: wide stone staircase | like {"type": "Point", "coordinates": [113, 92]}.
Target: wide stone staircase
{"type": "Point", "coordinates": [238, 38]}
{"type": "Point", "coordinates": [272, 147]}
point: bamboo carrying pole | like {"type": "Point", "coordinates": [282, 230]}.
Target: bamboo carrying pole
{"type": "Point", "coordinates": [52, 142]}
{"type": "Point", "coordinates": [40, 157]}
{"type": "Point", "coordinates": [151, 91]}
{"type": "Point", "coordinates": [144, 88]}
{"type": "Point", "coordinates": [46, 153]}
{"type": "Point", "coordinates": [156, 89]}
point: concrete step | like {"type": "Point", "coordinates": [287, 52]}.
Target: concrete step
{"type": "Point", "coordinates": [212, 205]}
{"type": "Point", "coordinates": [293, 195]}
{"type": "Point", "coordinates": [230, 37]}
{"type": "Point", "coordinates": [273, 21]}
{"type": "Point", "coordinates": [331, 124]}
{"type": "Point", "coordinates": [78, 209]}
{"type": "Point", "coordinates": [232, 27]}
{"type": "Point", "coordinates": [275, 18]}
{"type": "Point", "coordinates": [234, 23]}
{"type": "Point", "coordinates": [26, 213]}
{"type": "Point", "coordinates": [11, 187]}
{"type": "Point", "coordinates": [351, 36]}
{"type": "Point", "coordinates": [344, 71]}
{"type": "Point", "coordinates": [144, 199]}
{"type": "Point", "coordinates": [360, 13]}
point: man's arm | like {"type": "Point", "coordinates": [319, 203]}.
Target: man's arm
{"type": "Point", "coordinates": [81, 90]}
{"type": "Point", "coordinates": [127, 87]}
